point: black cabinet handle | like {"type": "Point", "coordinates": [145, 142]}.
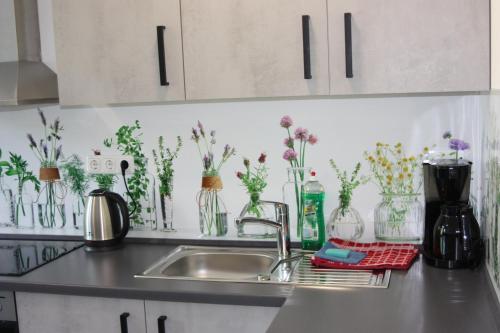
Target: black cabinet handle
{"type": "Point", "coordinates": [123, 322]}
{"type": "Point", "coordinates": [348, 45]}
{"type": "Point", "coordinates": [161, 54]}
{"type": "Point", "coordinates": [306, 47]}
{"type": "Point", "coordinates": [161, 324]}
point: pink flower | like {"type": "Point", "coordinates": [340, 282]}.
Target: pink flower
{"type": "Point", "coordinates": [290, 155]}
{"type": "Point", "coordinates": [301, 134]}
{"type": "Point", "coordinates": [288, 142]}
{"type": "Point", "coordinates": [239, 174]}
{"type": "Point", "coordinates": [262, 158]}
{"type": "Point", "coordinates": [286, 122]}
{"type": "Point", "coordinates": [312, 139]}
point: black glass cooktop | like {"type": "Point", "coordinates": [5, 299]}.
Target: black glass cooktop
{"type": "Point", "coordinates": [18, 257]}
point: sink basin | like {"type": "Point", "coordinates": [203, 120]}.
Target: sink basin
{"type": "Point", "coordinates": [206, 263]}
{"type": "Point", "coordinates": [257, 265]}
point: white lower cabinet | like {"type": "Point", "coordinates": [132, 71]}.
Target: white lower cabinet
{"type": "Point", "coordinates": [47, 313]}
{"type": "Point", "coordinates": [207, 318]}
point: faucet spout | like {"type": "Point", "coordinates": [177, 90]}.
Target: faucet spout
{"type": "Point", "coordinates": [281, 224]}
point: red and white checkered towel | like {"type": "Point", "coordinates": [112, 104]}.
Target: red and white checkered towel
{"type": "Point", "coordinates": [380, 255]}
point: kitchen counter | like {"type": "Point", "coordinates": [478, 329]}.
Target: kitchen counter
{"type": "Point", "coordinates": [424, 299]}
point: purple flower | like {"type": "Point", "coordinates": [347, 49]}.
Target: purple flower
{"type": "Point", "coordinates": [301, 134]}
{"type": "Point", "coordinates": [457, 144]}
{"type": "Point", "coordinates": [262, 158]}
{"type": "Point", "coordinates": [239, 174]}
{"type": "Point", "coordinates": [32, 141]}
{"type": "Point", "coordinates": [288, 142]}
{"type": "Point", "coordinates": [58, 152]}
{"type": "Point", "coordinates": [290, 155]}
{"type": "Point", "coordinates": [195, 135]}
{"type": "Point", "coordinates": [286, 122]}
{"type": "Point", "coordinates": [42, 117]}
{"type": "Point", "coordinates": [206, 162]}
{"type": "Point", "coordinates": [200, 127]}
{"type": "Point", "coordinates": [447, 135]}
{"type": "Point", "coordinates": [312, 139]}
{"type": "Point", "coordinates": [212, 133]}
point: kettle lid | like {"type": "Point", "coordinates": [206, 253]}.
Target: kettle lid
{"type": "Point", "coordinates": [98, 192]}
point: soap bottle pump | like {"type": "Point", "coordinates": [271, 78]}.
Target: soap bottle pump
{"type": "Point", "coordinates": [313, 227]}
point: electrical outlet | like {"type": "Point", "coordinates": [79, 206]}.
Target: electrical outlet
{"type": "Point", "coordinates": [107, 164]}
{"type": "Point", "coordinates": [93, 164]}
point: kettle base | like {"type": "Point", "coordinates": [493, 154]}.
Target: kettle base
{"type": "Point", "coordinates": [103, 248]}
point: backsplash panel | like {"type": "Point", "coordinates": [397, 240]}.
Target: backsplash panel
{"type": "Point", "coordinates": [345, 127]}
{"type": "Point", "coordinates": [491, 185]}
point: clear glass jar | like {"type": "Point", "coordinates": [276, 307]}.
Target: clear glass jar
{"type": "Point", "coordinates": [7, 210]}
{"type": "Point", "coordinates": [144, 217]}
{"type": "Point", "coordinates": [400, 218]}
{"type": "Point", "coordinates": [24, 211]}
{"type": "Point", "coordinates": [292, 195]}
{"type": "Point", "coordinates": [345, 223]}
{"type": "Point", "coordinates": [51, 210]}
{"type": "Point", "coordinates": [255, 208]}
{"type": "Point", "coordinates": [211, 207]}
{"type": "Point", "coordinates": [167, 213]}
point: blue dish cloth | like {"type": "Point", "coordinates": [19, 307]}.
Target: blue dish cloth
{"type": "Point", "coordinates": [353, 257]}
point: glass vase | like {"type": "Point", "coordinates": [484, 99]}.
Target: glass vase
{"type": "Point", "coordinates": [167, 213]}
{"type": "Point", "coordinates": [24, 211]}
{"type": "Point", "coordinates": [78, 211]}
{"type": "Point", "coordinates": [212, 211]}
{"type": "Point", "coordinates": [255, 208]}
{"type": "Point", "coordinates": [399, 218]}
{"type": "Point", "coordinates": [144, 217]}
{"type": "Point", "coordinates": [345, 223]}
{"type": "Point", "coordinates": [292, 195]}
{"type": "Point", "coordinates": [7, 210]}
{"type": "Point", "coordinates": [51, 210]}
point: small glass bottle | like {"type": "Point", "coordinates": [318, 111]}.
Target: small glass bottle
{"type": "Point", "coordinates": [51, 209]}
{"type": "Point", "coordinates": [167, 213]}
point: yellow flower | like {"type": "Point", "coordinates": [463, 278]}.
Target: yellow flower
{"type": "Point", "coordinates": [405, 169]}
{"type": "Point", "coordinates": [426, 149]}
{"type": "Point", "coordinates": [412, 158]}
{"type": "Point", "coordinates": [398, 151]}
{"type": "Point", "coordinates": [401, 176]}
{"type": "Point", "coordinates": [389, 177]}
{"type": "Point", "coordinates": [405, 160]}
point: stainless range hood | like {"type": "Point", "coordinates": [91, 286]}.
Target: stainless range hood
{"type": "Point", "coordinates": [24, 78]}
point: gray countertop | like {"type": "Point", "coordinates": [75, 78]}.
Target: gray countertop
{"type": "Point", "coordinates": [424, 299]}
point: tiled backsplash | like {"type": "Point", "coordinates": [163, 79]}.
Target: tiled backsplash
{"type": "Point", "coordinates": [345, 127]}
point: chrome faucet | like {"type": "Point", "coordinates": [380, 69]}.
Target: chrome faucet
{"type": "Point", "coordinates": [281, 224]}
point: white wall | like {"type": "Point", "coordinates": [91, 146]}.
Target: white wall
{"type": "Point", "coordinates": [346, 128]}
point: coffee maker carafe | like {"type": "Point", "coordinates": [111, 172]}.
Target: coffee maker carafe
{"type": "Point", "coordinates": [452, 235]}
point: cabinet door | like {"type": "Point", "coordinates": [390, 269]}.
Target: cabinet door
{"type": "Point", "coordinates": [254, 48]}
{"type": "Point", "coordinates": [44, 313]}
{"type": "Point", "coordinates": [107, 51]}
{"type": "Point", "coordinates": [208, 318]}
{"type": "Point", "coordinates": [410, 46]}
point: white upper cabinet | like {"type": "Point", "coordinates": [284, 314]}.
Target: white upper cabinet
{"type": "Point", "coordinates": [409, 46]}
{"type": "Point", "coordinates": [255, 48]}
{"type": "Point", "coordinates": [110, 51]}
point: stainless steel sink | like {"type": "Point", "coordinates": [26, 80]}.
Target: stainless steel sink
{"type": "Point", "coordinates": [207, 263]}
{"type": "Point", "coordinates": [256, 265]}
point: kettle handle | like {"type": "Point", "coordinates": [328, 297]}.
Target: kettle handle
{"type": "Point", "coordinates": [124, 211]}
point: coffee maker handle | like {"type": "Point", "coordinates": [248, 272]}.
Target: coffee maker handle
{"type": "Point", "coordinates": [124, 211]}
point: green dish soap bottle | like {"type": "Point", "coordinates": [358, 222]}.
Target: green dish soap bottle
{"type": "Point", "coordinates": [313, 227]}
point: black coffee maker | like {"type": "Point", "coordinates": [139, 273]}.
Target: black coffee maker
{"type": "Point", "coordinates": [452, 235]}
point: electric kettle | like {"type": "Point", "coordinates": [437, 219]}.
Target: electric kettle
{"type": "Point", "coordinates": [106, 220]}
